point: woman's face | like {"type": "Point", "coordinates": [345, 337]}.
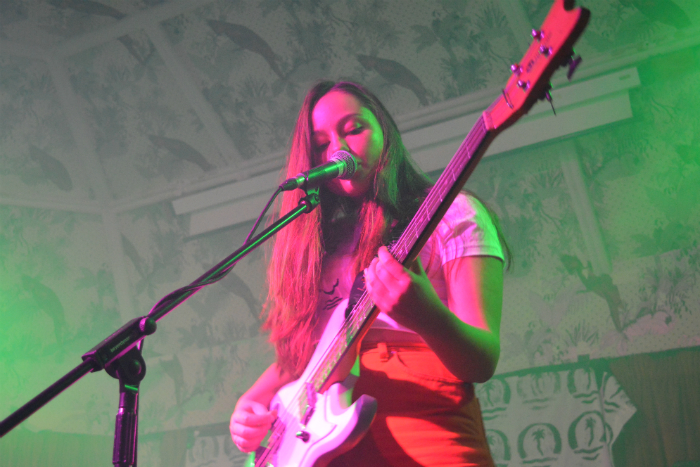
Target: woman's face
{"type": "Point", "coordinates": [339, 122]}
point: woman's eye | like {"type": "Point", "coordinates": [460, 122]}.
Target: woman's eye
{"type": "Point", "coordinates": [356, 130]}
{"type": "Point", "coordinates": [320, 147]}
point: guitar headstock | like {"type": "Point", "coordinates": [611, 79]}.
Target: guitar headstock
{"type": "Point", "coordinates": [552, 47]}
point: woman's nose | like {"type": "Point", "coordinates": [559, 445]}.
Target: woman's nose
{"type": "Point", "coordinates": [337, 143]}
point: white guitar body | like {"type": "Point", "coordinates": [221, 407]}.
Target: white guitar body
{"type": "Point", "coordinates": [335, 425]}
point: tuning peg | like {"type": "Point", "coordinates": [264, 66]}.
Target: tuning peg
{"type": "Point", "coordinates": [548, 97]}
{"type": "Point", "coordinates": [573, 62]}
{"type": "Point", "coordinates": [537, 34]}
{"type": "Point", "coordinates": [545, 92]}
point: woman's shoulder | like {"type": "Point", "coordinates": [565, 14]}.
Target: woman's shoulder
{"type": "Point", "coordinates": [466, 206]}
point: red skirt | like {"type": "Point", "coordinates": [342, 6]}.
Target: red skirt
{"type": "Point", "coordinates": [425, 417]}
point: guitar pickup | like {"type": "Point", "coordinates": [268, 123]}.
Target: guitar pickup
{"type": "Point", "coordinates": [308, 412]}
{"type": "Point", "coordinates": [310, 404]}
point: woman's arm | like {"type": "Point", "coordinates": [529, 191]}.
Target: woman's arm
{"type": "Point", "coordinates": [251, 419]}
{"type": "Point", "coordinates": [467, 337]}
{"type": "Point", "coordinates": [464, 336]}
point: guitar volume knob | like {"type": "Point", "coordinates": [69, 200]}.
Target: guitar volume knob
{"type": "Point", "coordinates": [303, 435]}
{"type": "Point", "coordinates": [516, 69]}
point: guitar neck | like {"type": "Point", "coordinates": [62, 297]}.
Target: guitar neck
{"type": "Point", "coordinates": [411, 241]}
{"type": "Point", "coordinates": [443, 193]}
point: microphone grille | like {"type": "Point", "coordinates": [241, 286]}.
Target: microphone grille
{"type": "Point", "coordinates": [349, 164]}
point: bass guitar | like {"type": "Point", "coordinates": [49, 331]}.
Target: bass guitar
{"type": "Point", "coordinates": [316, 419]}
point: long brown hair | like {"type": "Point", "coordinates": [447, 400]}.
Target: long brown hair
{"type": "Point", "coordinates": [294, 271]}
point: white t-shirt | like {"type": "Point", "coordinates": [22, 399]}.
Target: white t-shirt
{"type": "Point", "coordinates": [465, 230]}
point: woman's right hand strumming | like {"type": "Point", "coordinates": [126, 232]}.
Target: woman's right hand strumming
{"type": "Point", "coordinates": [251, 419]}
{"type": "Point", "coordinates": [250, 423]}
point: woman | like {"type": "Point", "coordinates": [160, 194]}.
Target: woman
{"type": "Point", "coordinates": [439, 328]}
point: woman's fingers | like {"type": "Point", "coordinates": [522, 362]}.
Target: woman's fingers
{"type": "Point", "coordinates": [388, 264]}
{"type": "Point", "coordinates": [400, 292]}
{"type": "Point", "coordinates": [377, 283]}
{"type": "Point", "coordinates": [249, 425]}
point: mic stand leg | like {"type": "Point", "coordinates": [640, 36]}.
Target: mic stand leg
{"type": "Point", "coordinates": [129, 369]}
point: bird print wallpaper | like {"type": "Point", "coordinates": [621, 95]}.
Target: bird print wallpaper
{"type": "Point", "coordinates": [112, 111]}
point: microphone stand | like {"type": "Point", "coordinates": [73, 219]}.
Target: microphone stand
{"type": "Point", "coordinates": [120, 353]}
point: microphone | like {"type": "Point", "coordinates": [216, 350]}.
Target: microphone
{"type": "Point", "coordinates": [342, 165]}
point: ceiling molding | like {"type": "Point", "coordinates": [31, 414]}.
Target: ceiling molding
{"type": "Point", "coordinates": [530, 130]}
{"type": "Point", "coordinates": [229, 192]}
{"type": "Point", "coordinates": [180, 188]}
{"type": "Point", "coordinates": [571, 95]}
{"type": "Point", "coordinates": [633, 54]}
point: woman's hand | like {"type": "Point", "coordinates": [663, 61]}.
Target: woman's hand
{"type": "Point", "coordinates": [250, 423]}
{"type": "Point", "coordinates": [406, 295]}
{"type": "Point", "coordinates": [464, 334]}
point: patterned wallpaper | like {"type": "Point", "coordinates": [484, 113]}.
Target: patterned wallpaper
{"type": "Point", "coordinates": [108, 110]}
